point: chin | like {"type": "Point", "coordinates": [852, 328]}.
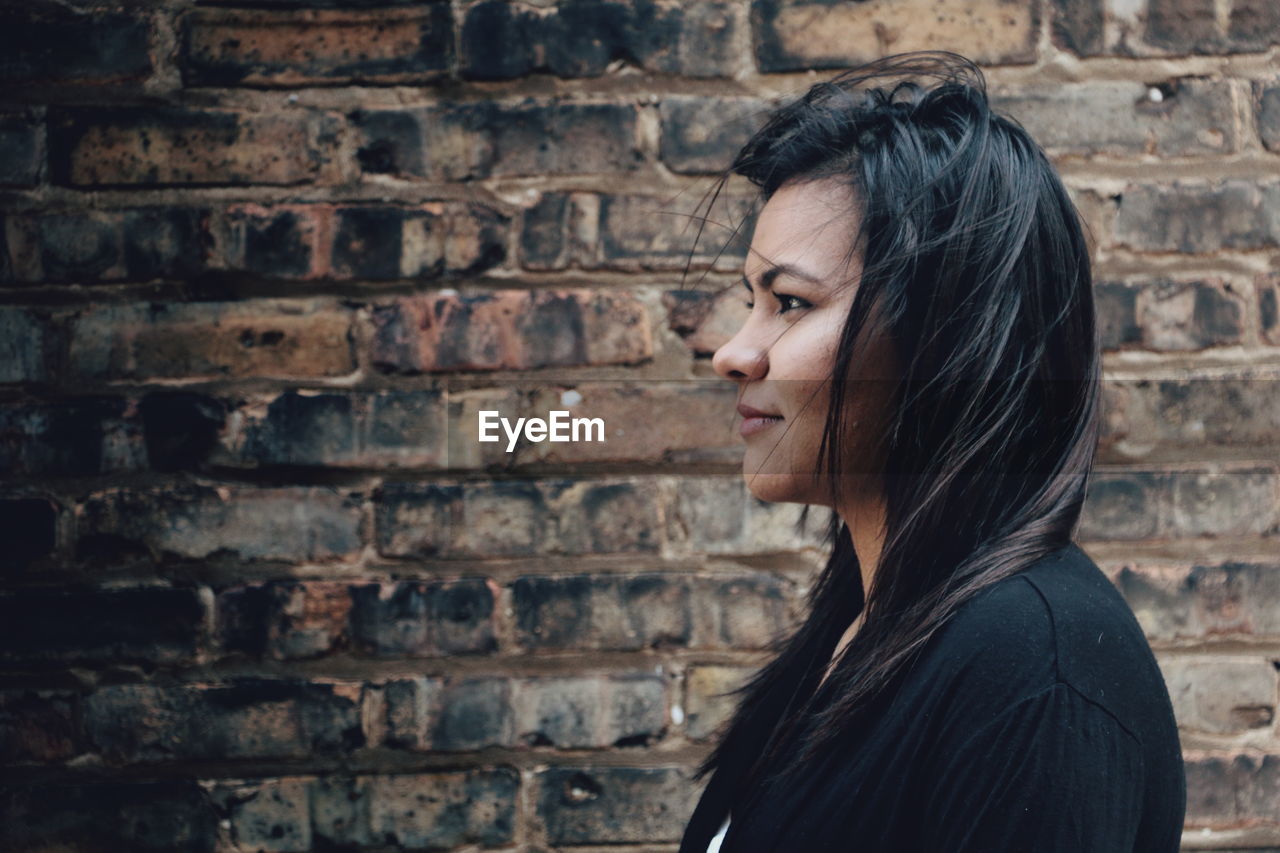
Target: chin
{"type": "Point", "coordinates": [779, 487]}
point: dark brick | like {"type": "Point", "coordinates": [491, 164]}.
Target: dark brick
{"type": "Point", "coordinates": [415, 618]}
{"type": "Point", "coordinates": [513, 329]}
{"type": "Point", "coordinates": [21, 148]}
{"type": "Point", "coordinates": [590, 712]}
{"type": "Point", "coordinates": [1196, 414]}
{"type": "Point", "coordinates": [29, 527]}
{"type": "Point", "coordinates": [38, 725]}
{"type": "Point", "coordinates": [701, 134]}
{"type": "Point", "coordinates": [391, 142]}
{"type": "Point", "coordinates": [598, 805]}
{"type": "Point", "coordinates": [583, 38]}
{"type": "Point", "coordinates": [175, 814]}
{"type": "Point", "coordinates": [1233, 214]}
{"type": "Point", "coordinates": [1117, 309]}
{"type": "Point", "coordinates": [278, 243]}
{"type": "Point", "coordinates": [1229, 502]}
{"type": "Point", "coordinates": [138, 244]}
{"type": "Point", "coordinates": [417, 520]}
{"type": "Point", "coordinates": [474, 713]}
{"type": "Point", "coordinates": [181, 428]}
{"type": "Point", "coordinates": [601, 612]}
{"type": "Point", "coordinates": [1078, 26]}
{"type": "Point", "coordinates": [177, 145]}
{"type": "Point", "coordinates": [1182, 25]}
{"type": "Point", "coordinates": [56, 44]}
{"type": "Point", "coordinates": [1267, 101]}
{"type": "Point", "coordinates": [1232, 791]}
{"type": "Point", "coordinates": [200, 522]}
{"type": "Point", "coordinates": [254, 47]}
{"type": "Point", "coordinates": [797, 35]}
{"type": "Point", "coordinates": [248, 718]}
{"type": "Point", "coordinates": [143, 623]}
{"type": "Point", "coordinates": [285, 620]}
{"type": "Point", "coordinates": [1123, 506]}
{"type": "Point", "coordinates": [543, 238]}
{"type": "Point", "coordinates": [72, 437]}
{"type": "Point", "coordinates": [266, 814]}
{"type": "Point", "coordinates": [428, 242]}
{"type": "Point", "coordinates": [23, 335]}
{"type": "Point", "coordinates": [1254, 25]}
{"type": "Point", "coordinates": [1268, 287]}
{"type": "Point", "coordinates": [436, 811]}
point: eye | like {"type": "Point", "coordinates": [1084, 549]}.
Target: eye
{"type": "Point", "coordinates": [787, 302]}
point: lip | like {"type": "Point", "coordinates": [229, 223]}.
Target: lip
{"type": "Point", "coordinates": [754, 420]}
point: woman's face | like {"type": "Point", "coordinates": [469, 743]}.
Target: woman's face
{"type": "Point", "coordinates": [800, 279]}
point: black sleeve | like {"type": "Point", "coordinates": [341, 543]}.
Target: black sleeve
{"type": "Point", "coordinates": [1054, 772]}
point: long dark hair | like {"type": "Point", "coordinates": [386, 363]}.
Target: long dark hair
{"type": "Point", "coordinates": [975, 263]}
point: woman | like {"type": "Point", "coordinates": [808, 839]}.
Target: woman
{"type": "Point", "coordinates": [920, 356]}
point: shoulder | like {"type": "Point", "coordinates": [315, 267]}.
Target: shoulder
{"type": "Point", "coordinates": [1058, 622]}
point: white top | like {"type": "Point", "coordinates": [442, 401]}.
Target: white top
{"type": "Point", "coordinates": [714, 846]}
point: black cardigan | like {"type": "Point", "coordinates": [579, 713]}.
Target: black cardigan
{"type": "Point", "coordinates": [1035, 720]}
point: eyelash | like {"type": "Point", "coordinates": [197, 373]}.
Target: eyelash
{"type": "Point", "coordinates": [782, 298]}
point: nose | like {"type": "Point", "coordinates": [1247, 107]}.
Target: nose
{"type": "Point", "coordinates": [741, 358]}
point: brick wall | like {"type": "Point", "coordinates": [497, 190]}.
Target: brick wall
{"type": "Point", "coordinates": [264, 261]}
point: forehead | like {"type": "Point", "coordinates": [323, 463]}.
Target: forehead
{"type": "Point", "coordinates": [811, 225]}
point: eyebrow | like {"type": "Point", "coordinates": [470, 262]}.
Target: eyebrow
{"type": "Point", "coordinates": [768, 276]}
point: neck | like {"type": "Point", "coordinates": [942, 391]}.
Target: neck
{"type": "Point", "coordinates": [864, 513]}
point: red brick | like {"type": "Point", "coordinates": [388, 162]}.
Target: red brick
{"type": "Point", "coordinates": [794, 35]}
{"type": "Point", "coordinates": [510, 329]}
{"type": "Point", "coordinates": [174, 145]}
{"type": "Point", "coordinates": [255, 338]}
{"type": "Point", "coordinates": [230, 47]}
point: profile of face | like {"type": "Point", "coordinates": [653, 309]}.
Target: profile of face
{"type": "Point", "coordinates": [799, 280]}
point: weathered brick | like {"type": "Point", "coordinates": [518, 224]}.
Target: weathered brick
{"type": "Point", "coordinates": [502, 40]}
{"type": "Point", "coordinates": [417, 618]}
{"type": "Point", "coordinates": [510, 329]}
{"type": "Point", "coordinates": [198, 522]}
{"type": "Point", "coordinates": [705, 319]}
{"type": "Point", "coordinates": [252, 338]}
{"type": "Point", "coordinates": [1123, 505]}
{"type": "Point", "coordinates": [87, 246]}
{"type": "Point", "coordinates": [383, 429]}
{"type": "Point", "coordinates": [1228, 791]}
{"type": "Point", "coordinates": [176, 145]}
{"type": "Point", "coordinates": [157, 624]}
{"type": "Point", "coordinates": [1192, 414]}
{"type": "Point", "coordinates": [232, 47]}
{"type": "Point", "coordinates": [795, 35]}
{"type": "Point", "coordinates": [21, 148]}
{"type": "Point", "coordinates": [174, 814]}
{"type": "Point", "coordinates": [38, 726]}
{"type": "Point", "coordinates": [1267, 107]}
{"type": "Point", "coordinates": [1195, 117]}
{"type": "Point", "coordinates": [267, 814]}
{"type": "Point", "coordinates": [1268, 287]}
{"type": "Point", "coordinates": [706, 705]}
{"type": "Point", "coordinates": [423, 242]}
{"type": "Point", "coordinates": [589, 712]}
{"type": "Point", "coordinates": [442, 811]}
{"type": "Point", "coordinates": [1079, 26]}
{"type": "Point", "coordinates": [1184, 217]}
{"type": "Point", "coordinates": [512, 518]}
{"type": "Point", "coordinates": [23, 334]}
{"type": "Point", "coordinates": [1232, 502]}
{"type": "Point", "coordinates": [249, 718]}
{"type": "Point", "coordinates": [718, 515]}
{"type": "Point", "coordinates": [1221, 696]}
{"type": "Point", "coordinates": [641, 232]}
{"type": "Point", "coordinates": [30, 527]}
{"type": "Point", "coordinates": [71, 437]}
{"type": "Point", "coordinates": [1204, 601]}
{"type": "Point", "coordinates": [1168, 316]}
{"type": "Point", "coordinates": [472, 713]}
{"type": "Point", "coordinates": [1183, 25]}
{"type": "Point", "coordinates": [60, 44]}
{"type": "Point", "coordinates": [610, 805]}
{"type": "Point", "coordinates": [472, 140]}
{"type": "Point", "coordinates": [284, 620]}
{"type": "Point", "coordinates": [702, 134]}
{"type": "Point", "coordinates": [1253, 25]}
{"type": "Point", "coordinates": [644, 611]}
{"type": "Point", "coordinates": [280, 241]}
